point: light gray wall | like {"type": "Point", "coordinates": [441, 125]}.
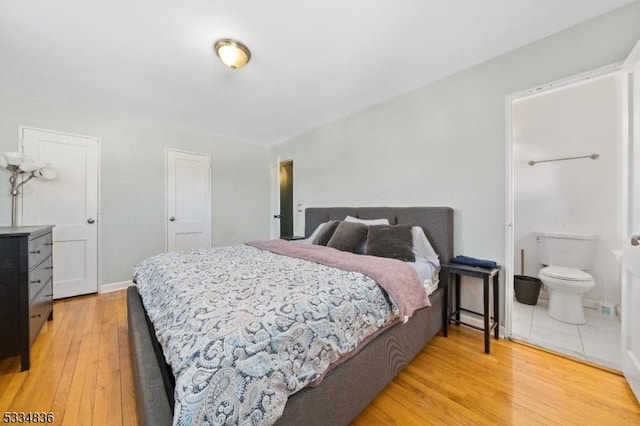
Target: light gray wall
{"type": "Point", "coordinates": [132, 150]}
{"type": "Point", "coordinates": [444, 144]}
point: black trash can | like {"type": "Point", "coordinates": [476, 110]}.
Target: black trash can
{"type": "Point", "coordinates": [527, 289]}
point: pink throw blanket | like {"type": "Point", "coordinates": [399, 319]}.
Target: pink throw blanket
{"type": "Point", "coordinates": [399, 280]}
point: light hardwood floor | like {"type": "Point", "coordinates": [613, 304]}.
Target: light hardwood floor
{"type": "Point", "coordinates": [81, 372]}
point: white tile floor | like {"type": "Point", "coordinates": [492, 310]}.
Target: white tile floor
{"type": "Point", "coordinates": [597, 341]}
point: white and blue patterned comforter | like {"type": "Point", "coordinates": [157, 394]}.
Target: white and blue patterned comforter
{"type": "Point", "coordinates": [244, 328]}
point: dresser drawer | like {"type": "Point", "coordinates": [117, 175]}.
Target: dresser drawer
{"type": "Point", "coordinates": [40, 309]}
{"type": "Point", "coordinates": [39, 277]}
{"type": "Point", "coordinates": [39, 249]}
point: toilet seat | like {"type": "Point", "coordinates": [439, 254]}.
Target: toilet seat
{"type": "Point", "coordinates": [567, 274]}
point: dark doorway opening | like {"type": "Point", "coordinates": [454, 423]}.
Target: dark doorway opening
{"type": "Point", "coordinates": [286, 199]}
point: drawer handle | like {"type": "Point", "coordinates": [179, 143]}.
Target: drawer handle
{"type": "Point", "coordinates": [35, 282]}
{"type": "Point", "coordinates": [48, 244]}
{"type": "Point", "coordinates": [36, 316]}
{"type": "Point", "coordinates": [48, 267]}
{"type": "Point", "coordinates": [48, 295]}
{"type": "Point", "coordinates": [35, 252]}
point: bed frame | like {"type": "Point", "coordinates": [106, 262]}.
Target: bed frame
{"type": "Point", "coordinates": [348, 389]}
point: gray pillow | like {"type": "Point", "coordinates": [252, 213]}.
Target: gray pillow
{"type": "Point", "coordinates": [348, 236]}
{"type": "Point", "coordinates": [327, 233]}
{"type": "Point", "coordinates": [393, 241]}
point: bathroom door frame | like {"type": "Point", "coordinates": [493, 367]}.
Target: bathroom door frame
{"type": "Point", "coordinates": [275, 198]}
{"type": "Point", "coordinates": [509, 170]}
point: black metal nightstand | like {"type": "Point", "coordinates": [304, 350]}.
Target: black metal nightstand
{"type": "Point", "coordinates": [487, 274]}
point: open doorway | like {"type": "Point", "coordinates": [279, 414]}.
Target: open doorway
{"type": "Point", "coordinates": [565, 149]}
{"type": "Point", "coordinates": [286, 198]}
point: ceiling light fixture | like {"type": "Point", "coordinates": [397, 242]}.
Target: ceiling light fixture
{"type": "Point", "coordinates": [232, 53]}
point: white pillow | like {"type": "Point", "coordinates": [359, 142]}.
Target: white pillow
{"type": "Point", "coordinates": [314, 234]}
{"type": "Point", "coordinates": [422, 247]}
{"type": "Point", "coordinates": [367, 222]}
{"type": "Point", "coordinates": [428, 274]}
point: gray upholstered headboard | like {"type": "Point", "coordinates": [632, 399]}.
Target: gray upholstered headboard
{"type": "Point", "coordinates": [437, 222]}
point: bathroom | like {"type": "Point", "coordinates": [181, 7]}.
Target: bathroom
{"type": "Point", "coordinates": [570, 196]}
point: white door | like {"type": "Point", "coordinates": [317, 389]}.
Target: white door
{"type": "Point", "coordinates": [70, 202]}
{"type": "Point", "coordinates": [188, 200]}
{"type": "Point", "coordinates": [631, 258]}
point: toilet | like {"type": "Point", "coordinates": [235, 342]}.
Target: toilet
{"type": "Point", "coordinates": [566, 257]}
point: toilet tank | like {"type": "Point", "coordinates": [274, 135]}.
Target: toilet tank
{"type": "Point", "coordinates": [564, 249]}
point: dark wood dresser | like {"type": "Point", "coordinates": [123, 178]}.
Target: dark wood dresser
{"type": "Point", "coordinates": [26, 288]}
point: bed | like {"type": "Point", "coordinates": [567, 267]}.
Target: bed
{"type": "Point", "coordinates": [349, 387]}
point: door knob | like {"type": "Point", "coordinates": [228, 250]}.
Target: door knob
{"type": "Point", "coordinates": [91, 220]}
{"type": "Point", "coordinates": [635, 240]}
{"type": "Point", "coordinates": [277, 216]}
{"type": "Point", "coordinates": [172, 218]}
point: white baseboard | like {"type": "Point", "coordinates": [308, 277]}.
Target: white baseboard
{"type": "Point", "coordinates": [108, 288]}
{"type": "Point", "coordinates": [472, 319]}
{"type": "Point", "coordinates": [591, 304]}
{"type": "Point", "coordinates": [479, 322]}
{"type": "Point", "coordinates": [587, 303]}
{"type": "Point", "coordinates": [596, 305]}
